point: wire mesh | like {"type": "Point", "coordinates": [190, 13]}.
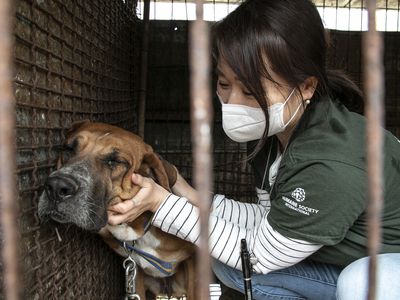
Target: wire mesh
{"type": "Point", "coordinates": [167, 113]}
{"type": "Point", "coordinates": [167, 107]}
{"type": "Point", "coordinates": [346, 54]}
{"type": "Point", "coordinates": [74, 60]}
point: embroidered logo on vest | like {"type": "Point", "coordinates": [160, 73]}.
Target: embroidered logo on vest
{"type": "Point", "coordinates": [299, 194]}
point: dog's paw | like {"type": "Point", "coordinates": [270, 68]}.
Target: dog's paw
{"type": "Point", "coordinates": [123, 232]}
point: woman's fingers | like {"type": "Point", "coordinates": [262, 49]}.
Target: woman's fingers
{"type": "Point", "coordinates": [116, 219]}
{"type": "Point", "coordinates": [127, 205]}
{"type": "Point", "coordinates": [129, 210]}
{"type": "Point", "coordinates": [126, 211]}
{"type": "Point", "coordinates": [139, 180]}
{"type": "Point", "coordinates": [122, 207]}
{"type": "Point", "coordinates": [148, 198]}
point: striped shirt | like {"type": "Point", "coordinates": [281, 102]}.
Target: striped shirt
{"type": "Point", "coordinates": [230, 221]}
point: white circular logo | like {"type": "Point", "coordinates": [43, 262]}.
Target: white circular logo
{"type": "Point", "coordinates": [299, 194]}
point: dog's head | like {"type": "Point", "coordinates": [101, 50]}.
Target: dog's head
{"type": "Point", "coordinates": [95, 172]}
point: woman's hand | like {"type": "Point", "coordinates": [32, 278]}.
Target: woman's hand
{"type": "Point", "coordinates": [149, 198]}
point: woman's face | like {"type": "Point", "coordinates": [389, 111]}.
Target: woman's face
{"type": "Point", "coordinates": [232, 91]}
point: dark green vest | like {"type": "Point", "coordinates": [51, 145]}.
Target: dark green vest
{"type": "Point", "coordinates": [320, 193]}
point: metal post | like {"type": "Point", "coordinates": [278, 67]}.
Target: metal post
{"type": "Point", "coordinates": [8, 209]}
{"type": "Point", "coordinates": [143, 69]}
{"type": "Point", "coordinates": [201, 116]}
{"type": "Point", "coordinates": [374, 90]}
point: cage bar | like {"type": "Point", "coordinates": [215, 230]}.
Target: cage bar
{"type": "Point", "coordinates": [201, 116]}
{"type": "Point", "coordinates": [9, 236]}
{"type": "Point", "coordinates": [143, 69]}
{"type": "Point", "coordinates": [374, 90]}
{"type": "Point", "coordinates": [78, 59]}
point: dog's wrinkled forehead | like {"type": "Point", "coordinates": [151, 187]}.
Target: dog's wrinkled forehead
{"type": "Point", "coordinates": [96, 139]}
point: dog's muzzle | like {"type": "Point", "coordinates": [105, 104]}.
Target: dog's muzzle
{"type": "Point", "coordinates": [72, 195]}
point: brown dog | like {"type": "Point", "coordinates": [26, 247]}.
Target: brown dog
{"type": "Point", "coordinates": [96, 175]}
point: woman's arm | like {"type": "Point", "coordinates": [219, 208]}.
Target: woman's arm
{"type": "Point", "coordinates": [244, 214]}
{"type": "Point", "coordinates": [273, 251]}
{"type": "Point", "coordinates": [177, 216]}
{"type": "Point", "coordinates": [183, 188]}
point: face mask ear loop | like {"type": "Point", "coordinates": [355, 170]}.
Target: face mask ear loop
{"type": "Point", "coordinates": [288, 97]}
{"type": "Point", "coordinates": [298, 107]}
{"type": "Point", "coordinates": [291, 118]}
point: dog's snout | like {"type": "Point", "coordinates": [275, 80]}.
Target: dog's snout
{"type": "Point", "coordinates": [60, 187]}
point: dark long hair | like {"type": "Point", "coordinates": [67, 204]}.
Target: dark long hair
{"type": "Point", "coordinates": [291, 36]}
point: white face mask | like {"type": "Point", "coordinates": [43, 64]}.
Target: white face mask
{"type": "Point", "coordinates": [243, 123]}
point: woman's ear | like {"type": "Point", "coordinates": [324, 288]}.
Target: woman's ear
{"type": "Point", "coordinates": [308, 87]}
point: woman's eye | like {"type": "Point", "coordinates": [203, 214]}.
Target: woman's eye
{"type": "Point", "coordinates": [223, 85]}
{"type": "Point", "coordinates": [248, 94]}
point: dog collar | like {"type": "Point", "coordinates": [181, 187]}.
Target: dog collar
{"type": "Point", "coordinates": [164, 267]}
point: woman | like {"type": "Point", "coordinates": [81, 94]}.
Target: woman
{"type": "Point", "coordinates": [308, 156]}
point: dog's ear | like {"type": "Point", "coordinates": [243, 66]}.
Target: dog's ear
{"type": "Point", "coordinates": [152, 165]}
{"type": "Point", "coordinates": [172, 172]}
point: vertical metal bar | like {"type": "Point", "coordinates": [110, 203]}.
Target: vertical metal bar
{"type": "Point", "coordinates": [143, 69]}
{"type": "Point", "coordinates": [374, 87]}
{"type": "Point", "coordinates": [201, 116]}
{"type": "Point", "coordinates": [8, 209]}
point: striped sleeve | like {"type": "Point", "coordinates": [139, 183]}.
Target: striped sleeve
{"type": "Point", "coordinates": [245, 215]}
{"type": "Point", "coordinates": [273, 251]}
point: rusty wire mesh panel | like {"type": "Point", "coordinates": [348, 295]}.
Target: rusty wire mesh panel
{"type": "Point", "coordinates": [168, 113]}
{"type": "Point", "coordinates": [74, 60]}
{"type": "Point", "coordinates": [392, 75]}
{"type": "Point", "coordinates": [167, 108]}
{"type": "Point", "coordinates": [345, 53]}
{"type": "Point", "coordinates": [168, 119]}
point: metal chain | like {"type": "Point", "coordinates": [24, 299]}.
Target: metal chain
{"type": "Point", "coordinates": [130, 277]}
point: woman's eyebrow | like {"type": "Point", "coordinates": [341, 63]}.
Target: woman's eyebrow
{"type": "Point", "coordinates": [219, 72]}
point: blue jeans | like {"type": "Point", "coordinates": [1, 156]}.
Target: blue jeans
{"type": "Point", "coordinates": [311, 280]}
{"type": "Point", "coordinates": [305, 280]}
{"type": "Point", "coordinates": [353, 281]}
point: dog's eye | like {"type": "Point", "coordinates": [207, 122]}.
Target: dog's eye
{"type": "Point", "coordinates": [111, 163]}
{"type": "Point", "coordinates": [113, 160]}
{"type": "Point", "coordinates": [66, 151]}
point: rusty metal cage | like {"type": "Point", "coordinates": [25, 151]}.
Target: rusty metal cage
{"type": "Point", "coordinates": [168, 111]}
{"type": "Point", "coordinates": [74, 60]}
{"type": "Point", "coordinates": [168, 106]}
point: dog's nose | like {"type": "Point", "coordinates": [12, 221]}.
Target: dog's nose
{"type": "Point", "coordinates": [59, 188]}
